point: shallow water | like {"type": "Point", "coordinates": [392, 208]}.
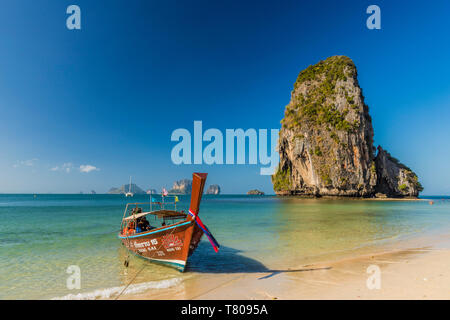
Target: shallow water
{"type": "Point", "coordinates": [40, 237]}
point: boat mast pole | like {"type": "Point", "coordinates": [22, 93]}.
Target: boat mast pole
{"type": "Point", "coordinates": [129, 186]}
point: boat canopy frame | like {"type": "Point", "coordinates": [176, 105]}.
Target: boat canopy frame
{"type": "Point", "coordinates": [171, 214]}
{"type": "Point", "coordinates": [160, 213]}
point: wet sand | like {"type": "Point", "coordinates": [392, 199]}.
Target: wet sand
{"type": "Point", "coordinates": [414, 273]}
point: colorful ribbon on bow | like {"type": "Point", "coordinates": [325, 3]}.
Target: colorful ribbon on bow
{"type": "Point", "coordinates": [211, 239]}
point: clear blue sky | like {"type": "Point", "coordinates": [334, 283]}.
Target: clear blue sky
{"type": "Point", "coordinates": [111, 94]}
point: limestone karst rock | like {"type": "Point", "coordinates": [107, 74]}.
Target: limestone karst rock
{"type": "Point", "coordinates": [213, 189]}
{"type": "Point", "coordinates": [183, 186]}
{"type": "Point", "coordinates": [255, 192]}
{"type": "Point", "coordinates": [394, 178]}
{"type": "Point", "coordinates": [326, 140]}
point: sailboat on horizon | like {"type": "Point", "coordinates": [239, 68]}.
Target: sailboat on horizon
{"type": "Point", "coordinates": [129, 193]}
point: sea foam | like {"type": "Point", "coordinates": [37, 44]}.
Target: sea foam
{"type": "Point", "coordinates": [114, 291]}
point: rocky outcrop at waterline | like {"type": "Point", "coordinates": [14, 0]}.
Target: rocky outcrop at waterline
{"type": "Point", "coordinates": [213, 189]}
{"type": "Point", "coordinates": [326, 140]}
{"type": "Point", "coordinates": [183, 186]}
{"type": "Point", "coordinates": [394, 179]}
{"type": "Point", "coordinates": [255, 192]}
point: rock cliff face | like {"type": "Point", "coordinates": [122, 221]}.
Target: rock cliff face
{"type": "Point", "coordinates": [213, 189]}
{"type": "Point", "coordinates": [183, 186]}
{"type": "Point", "coordinates": [394, 178]}
{"type": "Point", "coordinates": [326, 140]}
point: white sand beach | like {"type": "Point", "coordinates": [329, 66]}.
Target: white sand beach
{"type": "Point", "coordinates": [415, 273]}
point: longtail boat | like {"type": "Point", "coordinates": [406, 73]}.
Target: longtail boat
{"type": "Point", "coordinates": [178, 233]}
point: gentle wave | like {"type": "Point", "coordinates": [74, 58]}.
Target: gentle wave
{"type": "Point", "coordinates": [111, 292]}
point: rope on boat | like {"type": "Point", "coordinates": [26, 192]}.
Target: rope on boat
{"type": "Point", "coordinates": [127, 260]}
{"type": "Point", "coordinates": [137, 273]}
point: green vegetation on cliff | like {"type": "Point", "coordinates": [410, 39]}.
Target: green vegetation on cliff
{"type": "Point", "coordinates": [281, 180]}
{"type": "Point", "coordinates": [333, 68]}
{"type": "Point", "coordinates": [414, 180]}
{"type": "Point", "coordinates": [318, 106]}
{"type": "Point", "coordinates": [411, 176]}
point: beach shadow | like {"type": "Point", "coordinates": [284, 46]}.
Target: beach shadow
{"type": "Point", "coordinates": [228, 260]}
{"type": "Point", "coordinates": [275, 272]}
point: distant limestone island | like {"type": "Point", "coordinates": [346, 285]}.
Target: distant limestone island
{"type": "Point", "coordinates": [213, 189]}
{"type": "Point", "coordinates": [326, 140]}
{"type": "Point", "coordinates": [180, 187]}
{"type": "Point", "coordinates": [255, 192]}
{"type": "Point", "coordinates": [124, 189]}
{"type": "Point", "coordinates": [184, 186]}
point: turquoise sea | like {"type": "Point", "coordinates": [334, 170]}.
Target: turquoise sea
{"type": "Point", "coordinates": [42, 235]}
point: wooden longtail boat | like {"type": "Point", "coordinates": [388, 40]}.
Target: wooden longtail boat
{"type": "Point", "coordinates": [172, 243]}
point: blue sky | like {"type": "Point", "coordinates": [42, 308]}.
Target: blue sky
{"type": "Point", "coordinates": [110, 95]}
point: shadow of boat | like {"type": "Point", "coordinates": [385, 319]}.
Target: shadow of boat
{"type": "Point", "coordinates": [229, 260]}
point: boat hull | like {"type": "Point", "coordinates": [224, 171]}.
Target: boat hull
{"type": "Point", "coordinates": [171, 245]}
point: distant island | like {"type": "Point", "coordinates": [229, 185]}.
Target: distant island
{"type": "Point", "coordinates": [255, 192]}
{"type": "Point", "coordinates": [326, 140]}
{"type": "Point", "coordinates": [180, 187]}
{"type": "Point", "coordinates": [124, 189]}
{"type": "Point", "coordinates": [183, 186]}
{"type": "Point", "coordinates": [213, 189]}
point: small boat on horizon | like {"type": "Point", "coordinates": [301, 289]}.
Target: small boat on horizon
{"type": "Point", "coordinates": [174, 235]}
{"type": "Point", "coordinates": [129, 193]}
